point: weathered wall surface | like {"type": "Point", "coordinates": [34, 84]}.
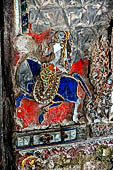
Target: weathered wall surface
{"type": "Point", "coordinates": [7, 101]}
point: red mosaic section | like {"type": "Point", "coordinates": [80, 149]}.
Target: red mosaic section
{"type": "Point", "coordinates": [80, 67]}
{"type": "Point", "coordinates": [46, 35]}
{"type": "Point", "coordinates": [59, 113]}
{"type": "Point", "coordinates": [29, 111]}
{"type": "Point", "coordinates": [16, 58]}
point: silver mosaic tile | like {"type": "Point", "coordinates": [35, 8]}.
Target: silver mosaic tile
{"type": "Point", "coordinates": [85, 19]}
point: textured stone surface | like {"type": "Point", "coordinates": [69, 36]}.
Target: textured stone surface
{"type": "Point", "coordinates": [1, 116]}
{"type": "Point", "coordinates": [7, 89]}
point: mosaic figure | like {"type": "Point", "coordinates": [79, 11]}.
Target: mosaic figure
{"type": "Point", "coordinates": [49, 77]}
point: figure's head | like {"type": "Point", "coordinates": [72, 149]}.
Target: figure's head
{"type": "Point", "coordinates": [60, 36]}
{"type": "Point", "coordinates": [51, 45]}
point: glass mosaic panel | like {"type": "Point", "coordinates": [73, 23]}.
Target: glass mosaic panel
{"type": "Point", "coordinates": [62, 79]}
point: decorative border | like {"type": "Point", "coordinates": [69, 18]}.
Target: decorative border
{"type": "Point", "coordinates": [60, 136]}
{"type": "Point", "coordinates": [42, 138]}
{"type": "Point", "coordinates": [24, 16]}
{"type": "Point", "coordinates": [20, 16]}
{"type": "Point", "coordinates": [17, 18]}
